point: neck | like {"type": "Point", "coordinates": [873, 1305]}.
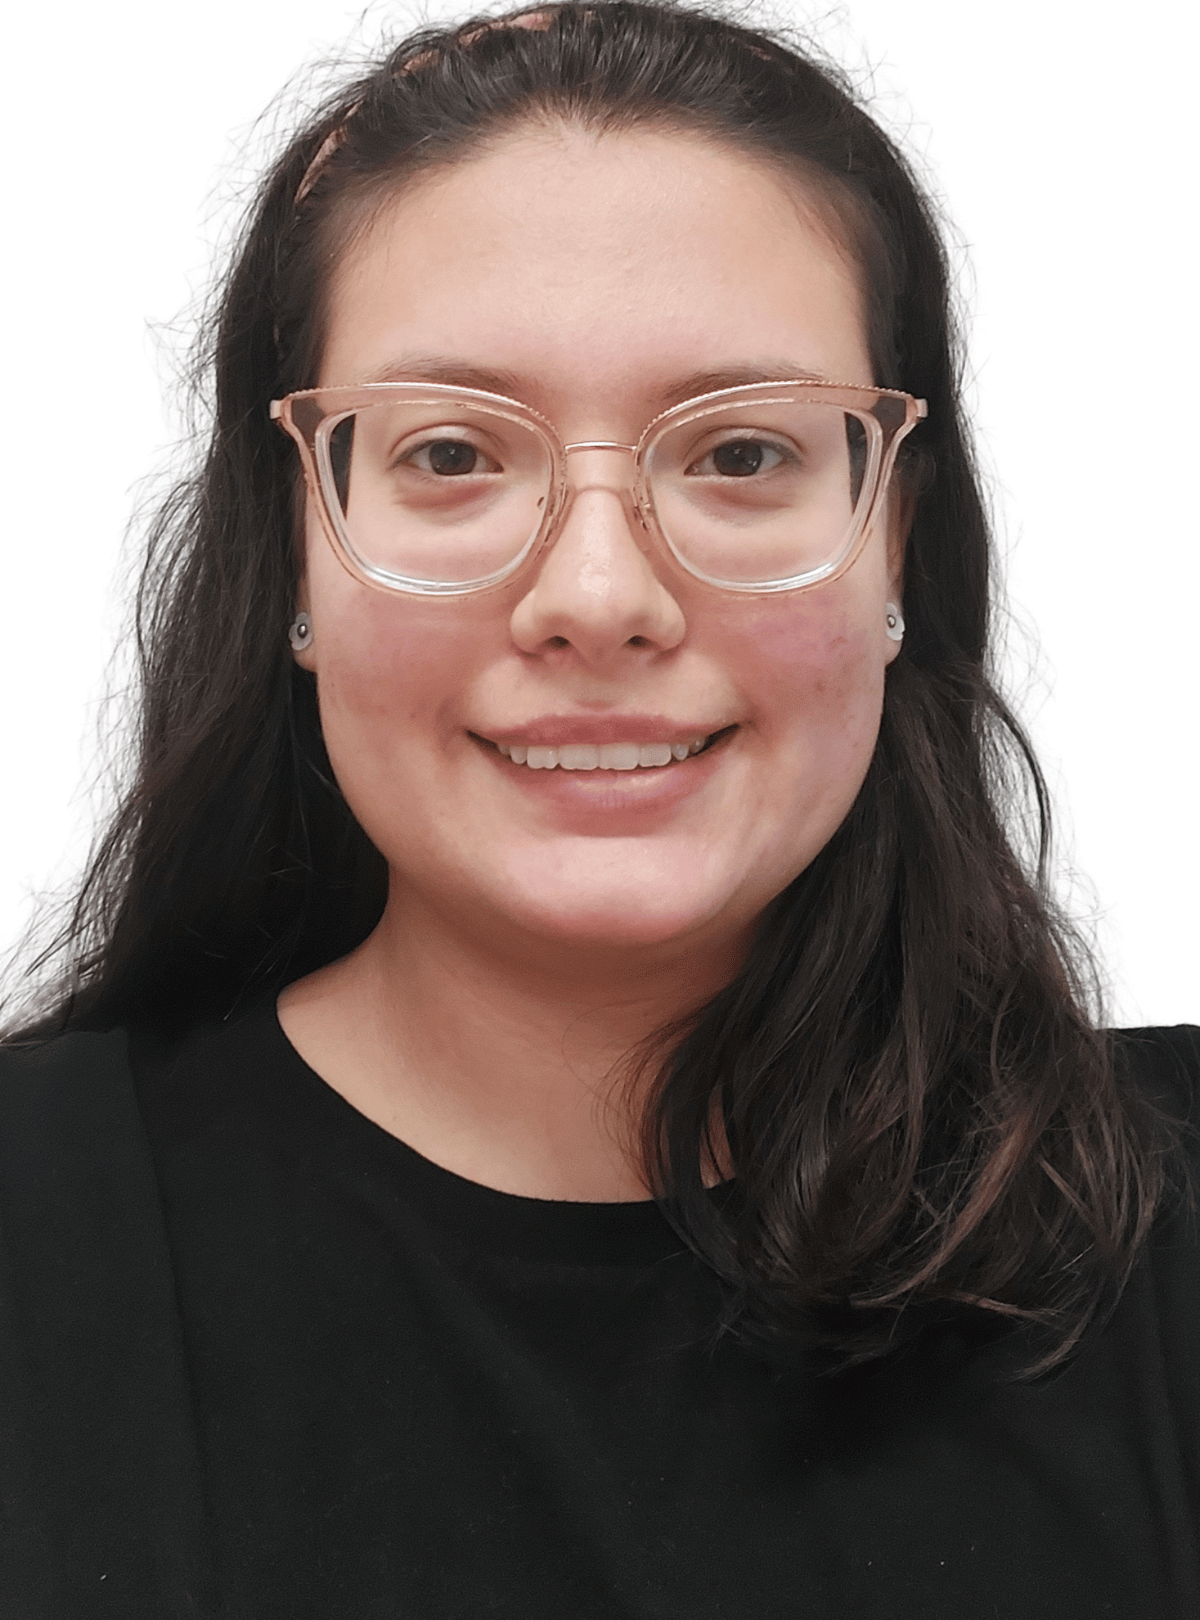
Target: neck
{"type": "Point", "coordinates": [499, 1058]}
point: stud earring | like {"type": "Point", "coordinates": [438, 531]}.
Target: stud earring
{"type": "Point", "coordinates": [301, 632]}
{"type": "Point", "coordinates": [895, 624]}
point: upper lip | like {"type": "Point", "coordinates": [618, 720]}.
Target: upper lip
{"type": "Point", "coordinates": [556, 730]}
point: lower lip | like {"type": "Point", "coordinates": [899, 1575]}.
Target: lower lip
{"type": "Point", "coordinates": [612, 801]}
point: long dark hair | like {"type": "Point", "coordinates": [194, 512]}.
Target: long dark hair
{"type": "Point", "coordinates": [920, 1115]}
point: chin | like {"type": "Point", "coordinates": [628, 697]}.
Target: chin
{"type": "Point", "coordinates": [631, 920]}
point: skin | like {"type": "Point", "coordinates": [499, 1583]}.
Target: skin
{"type": "Point", "coordinates": [539, 924]}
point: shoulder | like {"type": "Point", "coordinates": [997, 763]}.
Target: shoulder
{"type": "Point", "coordinates": [62, 1059]}
{"type": "Point", "coordinates": [1158, 1321]}
{"type": "Point", "coordinates": [1168, 1055]}
{"type": "Point", "coordinates": [45, 1085]}
{"type": "Point", "coordinates": [1158, 1070]}
{"type": "Point", "coordinates": [83, 1256]}
{"type": "Point", "coordinates": [1164, 1065]}
{"type": "Point", "coordinates": [71, 1136]}
{"type": "Point", "coordinates": [95, 1413]}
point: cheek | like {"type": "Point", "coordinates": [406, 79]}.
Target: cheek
{"type": "Point", "coordinates": [817, 677]}
{"type": "Point", "coordinates": [387, 666]}
{"type": "Point", "coordinates": [388, 676]}
{"type": "Point", "coordinates": [819, 680]}
{"type": "Point", "coordinates": [378, 670]}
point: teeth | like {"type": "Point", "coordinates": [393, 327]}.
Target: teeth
{"type": "Point", "coordinates": [619, 756]}
{"type": "Point", "coordinates": [607, 757]}
{"type": "Point", "coordinates": [579, 757]}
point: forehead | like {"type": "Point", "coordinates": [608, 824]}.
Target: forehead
{"type": "Point", "coordinates": [563, 259]}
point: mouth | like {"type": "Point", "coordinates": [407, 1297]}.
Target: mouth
{"type": "Point", "coordinates": [613, 756]}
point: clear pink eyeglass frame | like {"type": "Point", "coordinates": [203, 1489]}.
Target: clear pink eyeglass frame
{"type": "Point", "coordinates": [311, 414]}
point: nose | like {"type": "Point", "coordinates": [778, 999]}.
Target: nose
{"type": "Point", "coordinates": [595, 591]}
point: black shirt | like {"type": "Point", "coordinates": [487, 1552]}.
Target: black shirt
{"type": "Point", "coordinates": [405, 1395]}
{"type": "Point", "coordinates": [421, 1397]}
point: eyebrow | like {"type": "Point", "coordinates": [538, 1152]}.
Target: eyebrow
{"type": "Point", "coordinates": [439, 369]}
{"type": "Point", "coordinates": [459, 374]}
{"type": "Point", "coordinates": [708, 382]}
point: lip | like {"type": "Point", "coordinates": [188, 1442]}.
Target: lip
{"type": "Point", "coordinates": [556, 730]}
{"type": "Point", "coordinates": [609, 803]}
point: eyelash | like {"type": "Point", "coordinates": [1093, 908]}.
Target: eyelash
{"type": "Point", "coordinates": [779, 450]}
{"type": "Point", "coordinates": [408, 457]}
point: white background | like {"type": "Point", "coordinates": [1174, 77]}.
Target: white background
{"type": "Point", "coordinates": [1059, 135]}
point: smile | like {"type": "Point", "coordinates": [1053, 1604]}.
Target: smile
{"type": "Point", "coordinates": [617, 756]}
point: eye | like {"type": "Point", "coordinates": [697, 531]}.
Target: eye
{"type": "Point", "coordinates": [738, 458]}
{"type": "Point", "coordinates": [450, 458]}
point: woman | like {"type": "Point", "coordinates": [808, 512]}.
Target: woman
{"type": "Point", "coordinates": [567, 1101]}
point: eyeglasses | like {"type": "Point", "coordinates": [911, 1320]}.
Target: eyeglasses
{"type": "Point", "coordinates": [442, 491]}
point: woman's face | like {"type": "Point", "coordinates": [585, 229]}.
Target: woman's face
{"type": "Point", "coordinates": [596, 279]}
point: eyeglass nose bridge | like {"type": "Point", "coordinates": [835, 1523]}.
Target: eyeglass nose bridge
{"type": "Point", "coordinates": [599, 444]}
{"type": "Point", "coordinates": [612, 444]}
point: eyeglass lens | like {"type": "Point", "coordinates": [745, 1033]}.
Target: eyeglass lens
{"type": "Point", "coordinates": [444, 492]}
